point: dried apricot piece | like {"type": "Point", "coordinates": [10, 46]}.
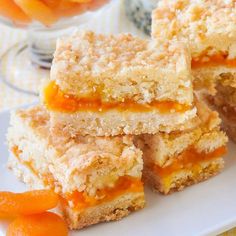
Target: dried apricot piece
{"type": "Point", "coordinates": [10, 10]}
{"type": "Point", "coordinates": [31, 202]}
{"type": "Point", "coordinates": [37, 10]}
{"type": "Point", "coordinates": [43, 224]}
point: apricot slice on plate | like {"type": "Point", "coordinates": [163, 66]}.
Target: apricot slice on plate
{"type": "Point", "coordinates": [10, 10]}
{"type": "Point", "coordinates": [27, 203]}
{"type": "Point", "coordinates": [37, 10]}
{"type": "Point", "coordinates": [43, 224]}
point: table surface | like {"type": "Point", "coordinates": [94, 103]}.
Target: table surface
{"type": "Point", "coordinates": [117, 23]}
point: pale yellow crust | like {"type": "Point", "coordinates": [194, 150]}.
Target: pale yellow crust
{"type": "Point", "coordinates": [115, 122]}
{"type": "Point", "coordinates": [84, 163]}
{"type": "Point", "coordinates": [204, 25]}
{"type": "Point", "coordinates": [207, 78]}
{"type": "Point", "coordinates": [110, 211]}
{"type": "Point", "coordinates": [225, 96]}
{"type": "Point", "coordinates": [183, 178]}
{"type": "Point", "coordinates": [122, 67]}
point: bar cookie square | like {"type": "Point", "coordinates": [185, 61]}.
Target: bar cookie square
{"type": "Point", "coordinates": [118, 84]}
{"type": "Point", "coordinates": [98, 179]}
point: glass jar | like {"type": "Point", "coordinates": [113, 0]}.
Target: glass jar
{"type": "Point", "coordinates": [23, 66]}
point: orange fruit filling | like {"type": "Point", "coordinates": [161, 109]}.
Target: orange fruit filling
{"type": "Point", "coordinates": [31, 202]}
{"type": "Point", "coordinates": [81, 200]}
{"type": "Point", "coordinates": [16, 151]}
{"type": "Point", "coordinates": [188, 159]}
{"type": "Point", "coordinates": [43, 224]}
{"type": "Point", "coordinates": [56, 100]}
{"type": "Point", "coordinates": [47, 179]}
{"type": "Point", "coordinates": [214, 60]}
{"type": "Point", "coordinates": [125, 184]}
{"type": "Point", "coordinates": [45, 11]}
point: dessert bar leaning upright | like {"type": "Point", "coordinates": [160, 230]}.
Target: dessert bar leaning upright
{"type": "Point", "coordinates": [98, 179]}
{"type": "Point", "coordinates": [111, 85]}
{"type": "Point", "coordinates": [208, 26]}
{"type": "Point", "coordinates": [175, 160]}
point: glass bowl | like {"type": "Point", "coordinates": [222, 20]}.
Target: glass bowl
{"type": "Point", "coordinates": [23, 66]}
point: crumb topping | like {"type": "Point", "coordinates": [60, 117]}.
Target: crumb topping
{"type": "Point", "coordinates": [205, 24]}
{"type": "Point", "coordinates": [88, 53]}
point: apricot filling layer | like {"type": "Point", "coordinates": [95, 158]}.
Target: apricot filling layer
{"type": "Point", "coordinates": [125, 184]}
{"type": "Point", "coordinates": [188, 159]}
{"type": "Point", "coordinates": [81, 200]}
{"type": "Point", "coordinates": [214, 60]}
{"type": "Point", "coordinates": [56, 100]}
{"type": "Point", "coordinates": [47, 179]}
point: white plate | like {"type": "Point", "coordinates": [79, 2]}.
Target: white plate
{"type": "Point", "coordinates": [208, 208]}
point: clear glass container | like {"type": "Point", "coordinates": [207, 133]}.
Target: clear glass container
{"type": "Point", "coordinates": [23, 66]}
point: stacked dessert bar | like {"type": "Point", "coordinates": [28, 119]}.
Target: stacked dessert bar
{"type": "Point", "coordinates": [106, 94]}
{"type": "Point", "coordinates": [175, 160]}
{"type": "Point", "coordinates": [98, 178]}
{"type": "Point", "coordinates": [208, 27]}
{"type": "Point", "coordinates": [111, 85]}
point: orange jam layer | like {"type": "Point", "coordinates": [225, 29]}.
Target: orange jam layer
{"type": "Point", "coordinates": [214, 60]}
{"type": "Point", "coordinates": [16, 151]}
{"type": "Point", "coordinates": [125, 184]}
{"type": "Point", "coordinates": [47, 179]}
{"type": "Point", "coordinates": [56, 100]}
{"type": "Point", "coordinates": [80, 200]}
{"type": "Point", "coordinates": [188, 159]}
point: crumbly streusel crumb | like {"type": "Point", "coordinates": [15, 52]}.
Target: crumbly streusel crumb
{"type": "Point", "coordinates": [207, 25]}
